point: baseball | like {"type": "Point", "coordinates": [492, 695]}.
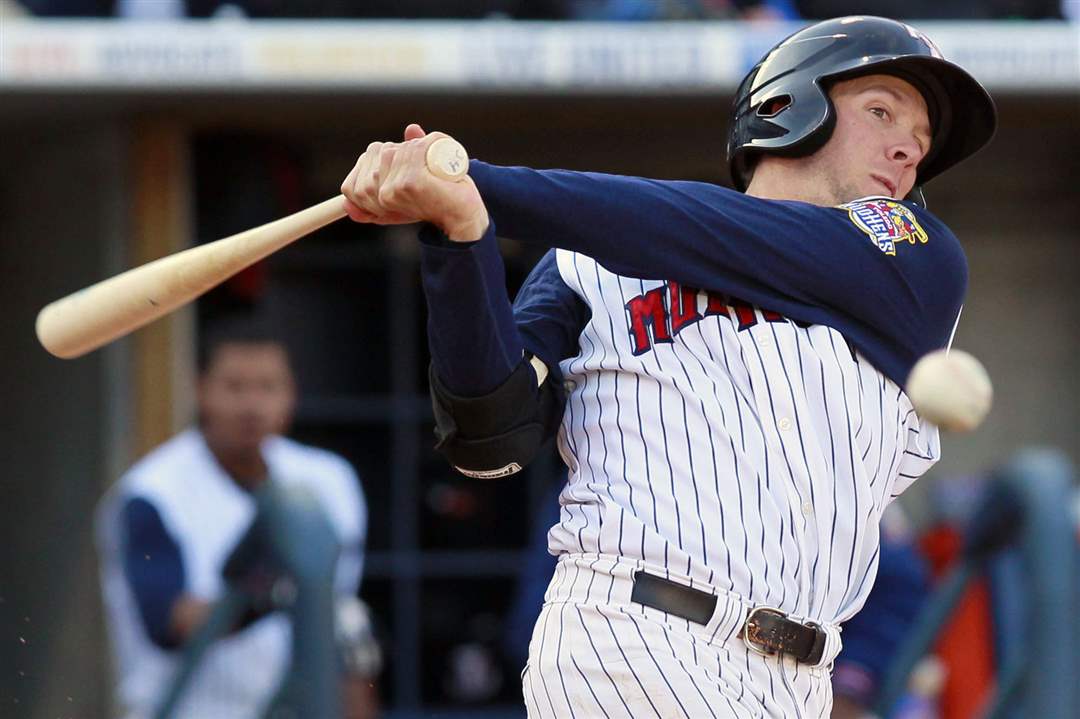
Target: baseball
{"type": "Point", "coordinates": [446, 158]}
{"type": "Point", "coordinates": [950, 389]}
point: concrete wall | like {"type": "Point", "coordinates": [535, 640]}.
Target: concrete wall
{"type": "Point", "coordinates": [61, 200]}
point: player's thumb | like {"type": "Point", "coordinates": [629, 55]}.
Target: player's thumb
{"type": "Point", "coordinates": [414, 132]}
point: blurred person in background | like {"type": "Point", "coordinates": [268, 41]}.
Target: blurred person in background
{"type": "Point", "coordinates": [430, 9]}
{"type": "Point", "coordinates": [934, 9]}
{"type": "Point", "coordinates": [874, 635]}
{"type": "Point", "coordinates": [653, 10]}
{"type": "Point", "coordinates": [167, 528]}
{"type": "Point", "coordinates": [613, 10]}
{"type": "Point", "coordinates": [426, 9]}
{"type": "Point", "coordinates": [533, 578]}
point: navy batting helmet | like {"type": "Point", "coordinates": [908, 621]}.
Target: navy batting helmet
{"type": "Point", "coordinates": [782, 107]}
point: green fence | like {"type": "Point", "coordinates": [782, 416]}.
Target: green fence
{"type": "Point", "coordinates": [1027, 505]}
{"type": "Point", "coordinates": [292, 542]}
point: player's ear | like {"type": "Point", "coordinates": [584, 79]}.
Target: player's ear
{"type": "Point", "coordinates": [414, 132]}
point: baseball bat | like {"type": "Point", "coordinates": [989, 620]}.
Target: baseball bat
{"type": "Point", "coordinates": [85, 320]}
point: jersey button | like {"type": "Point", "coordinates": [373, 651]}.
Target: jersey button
{"type": "Point", "coordinates": [784, 424]}
{"type": "Point", "coordinates": [764, 341]}
{"type": "Point", "coordinates": [807, 508]}
{"type": "Point", "coordinates": [569, 385]}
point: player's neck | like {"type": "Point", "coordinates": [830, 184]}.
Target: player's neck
{"type": "Point", "coordinates": [775, 180]}
{"type": "Point", "coordinates": [245, 466]}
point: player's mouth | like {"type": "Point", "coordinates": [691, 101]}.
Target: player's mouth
{"type": "Point", "coordinates": [886, 184]}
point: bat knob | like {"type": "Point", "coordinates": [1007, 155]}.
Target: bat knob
{"type": "Point", "coordinates": [447, 159]}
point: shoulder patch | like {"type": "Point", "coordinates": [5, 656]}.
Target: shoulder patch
{"type": "Point", "coordinates": [887, 222]}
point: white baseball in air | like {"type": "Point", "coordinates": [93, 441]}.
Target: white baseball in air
{"type": "Point", "coordinates": [446, 158]}
{"type": "Point", "coordinates": [950, 389]}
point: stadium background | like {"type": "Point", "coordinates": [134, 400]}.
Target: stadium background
{"type": "Point", "coordinates": [124, 141]}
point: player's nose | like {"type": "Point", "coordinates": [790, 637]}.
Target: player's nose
{"type": "Point", "coordinates": [905, 151]}
{"type": "Point", "coordinates": [903, 156]}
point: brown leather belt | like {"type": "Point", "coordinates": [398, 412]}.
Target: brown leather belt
{"type": "Point", "coordinates": [766, 630]}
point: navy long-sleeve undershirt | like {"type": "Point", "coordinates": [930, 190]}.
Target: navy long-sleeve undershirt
{"type": "Point", "coordinates": [469, 314]}
{"type": "Point", "coordinates": [153, 567]}
{"type": "Point", "coordinates": [474, 355]}
{"type": "Point", "coordinates": [809, 263]}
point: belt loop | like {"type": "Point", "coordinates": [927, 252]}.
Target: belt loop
{"type": "Point", "coordinates": [833, 645]}
{"type": "Point", "coordinates": [728, 620]}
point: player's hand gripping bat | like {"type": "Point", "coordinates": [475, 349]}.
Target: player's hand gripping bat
{"type": "Point", "coordinates": [87, 319]}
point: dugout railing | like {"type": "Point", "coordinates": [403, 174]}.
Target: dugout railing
{"type": "Point", "coordinates": [1026, 509]}
{"type": "Point", "coordinates": [286, 560]}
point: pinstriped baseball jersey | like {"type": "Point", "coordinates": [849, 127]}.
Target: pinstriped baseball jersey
{"type": "Point", "coordinates": [729, 444]}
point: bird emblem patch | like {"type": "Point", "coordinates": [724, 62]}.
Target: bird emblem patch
{"type": "Point", "coordinates": [888, 223]}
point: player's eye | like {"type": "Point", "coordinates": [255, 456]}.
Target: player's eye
{"type": "Point", "coordinates": [880, 112]}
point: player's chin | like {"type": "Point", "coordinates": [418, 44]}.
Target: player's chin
{"type": "Point", "coordinates": [875, 189]}
{"type": "Point", "coordinates": [249, 435]}
{"type": "Point", "coordinates": [842, 193]}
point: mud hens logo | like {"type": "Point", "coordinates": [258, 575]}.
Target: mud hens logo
{"type": "Point", "coordinates": [887, 223]}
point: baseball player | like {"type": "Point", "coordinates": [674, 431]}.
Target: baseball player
{"type": "Point", "coordinates": [170, 524]}
{"type": "Point", "coordinates": [724, 370]}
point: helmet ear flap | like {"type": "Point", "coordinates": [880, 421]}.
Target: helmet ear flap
{"type": "Point", "coordinates": [764, 129]}
{"type": "Point", "coordinates": [787, 122]}
{"type": "Point", "coordinates": [816, 135]}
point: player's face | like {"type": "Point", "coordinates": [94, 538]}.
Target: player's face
{"type": "Point", "coordinates": [246, 393]}
{"type": "Point", "coordinates": [882, 133]}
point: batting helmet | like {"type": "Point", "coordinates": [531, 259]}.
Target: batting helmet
{"type": "Point", "coordinates": [782, 106]}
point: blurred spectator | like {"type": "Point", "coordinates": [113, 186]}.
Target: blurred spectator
{"type": "Point", "coordinates": [873, 636]}
{"type": "Point", "coordinates": [816, 9]}
{"type": "Point", "coordinates": [933, 9]}
{"type": "Point", "coordinates": [533, 579]}
{"type": "Point", "coordinates": [432, 9]}
{"type": "Point", "coordinates": [644, 10]}
{"type": "Point", "coordinates": [167, 528]}
{"type": "Point", "coordinates": [966, 643]}
{"type": "Point", "coordinates": [69, 8]}
{"type": "Point", "coordinates": [150, 9]}
{"type": "Point", "coordinates": [616, 10]}
{"type": "Point", "coordinates": [471, 9]}
{"type": "Point", "coordinates": [10, 8]}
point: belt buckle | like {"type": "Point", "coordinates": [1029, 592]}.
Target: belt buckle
{"type": "Point", "coordinates": [758, 647]}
